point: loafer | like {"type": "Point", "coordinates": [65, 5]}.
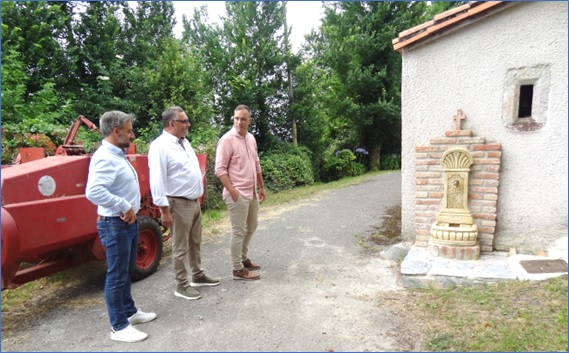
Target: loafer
{"type": "Point", "coordinates": [245, 275]}
{"type": "Point", "coordinates": [250, 265]}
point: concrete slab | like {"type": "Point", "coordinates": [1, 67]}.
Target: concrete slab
{"type": "Point", "coordinates": [420, 269]}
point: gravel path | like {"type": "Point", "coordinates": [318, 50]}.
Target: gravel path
{"type": "Point", "coordinates": [318, 291]}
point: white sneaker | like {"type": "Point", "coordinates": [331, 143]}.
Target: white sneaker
{"type": "Point", "coordinates": [128, 334]}
{"type": "Point", "coordinates": [140, 317]}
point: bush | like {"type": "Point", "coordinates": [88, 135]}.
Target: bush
{"type": "Point", "coordinates": [390, 162]}
{"type": "Point", "coordinates": [341, 164]}
{"type": "Point", "coordinates": [30, 133]}
{"type": "Point", "coordinates": [286, 167]}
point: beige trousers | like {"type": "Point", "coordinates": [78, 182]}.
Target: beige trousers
{"type": "Point", "coordinates": [243, 215]}
{"type": "Point", "coordinates": [186, 240]}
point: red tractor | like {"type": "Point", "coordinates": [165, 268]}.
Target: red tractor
{"type": "Point", "coordinates": [48, 225]}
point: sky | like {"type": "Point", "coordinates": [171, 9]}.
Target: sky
{"type": "Point", "coordinates": [302, 16]}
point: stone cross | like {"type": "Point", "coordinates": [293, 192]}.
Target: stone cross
{"type": "Point", "coordinates": [458, 119]}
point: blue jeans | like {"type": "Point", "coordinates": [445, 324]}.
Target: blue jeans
{"type": "Point", "coordinates": [120, 240]}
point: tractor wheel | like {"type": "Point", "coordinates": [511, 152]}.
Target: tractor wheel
{"type": "Point", "coordinates": [149, 248]}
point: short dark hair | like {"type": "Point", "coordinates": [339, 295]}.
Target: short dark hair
{"type": "Point", "coordinates": [243, 107]}
{"type": "Point", "coordinates": [171, 114]}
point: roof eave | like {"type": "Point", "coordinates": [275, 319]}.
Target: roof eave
{"type": "Point", "coordinates": [436, 28]}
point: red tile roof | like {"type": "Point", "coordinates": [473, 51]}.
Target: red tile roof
{"type": "Point", "coordinates": [445, 21]}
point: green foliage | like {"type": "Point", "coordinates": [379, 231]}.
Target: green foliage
{"type": "Point", "coordinates": [13, 86]}
{"type": "Point", "coordinates": [245, 58]}
{"type": "Point", "coordinates": [363, 70]}
{"type": "Point", "coordinates": [36, 30]}
{"type": "Point", "coordinates": [12, 142]}
{"type": "Point", "coordinates": [39, 108]}
{"type": "Point", "coordinates": [33, 132]}
{"type": "Point", "coordinates": [204, 140]}
{"type": "Point", "coordinates": [390, 162]}
{"type": "Point", "coordinates": [286, 167]}
{"type": "Point", "coordinates": [341, 164]}
{"type": "Point", "coordinates": [89, 139]}
{"type": "Point", "coordinates": [145, 135]}
{"type": "Point", "coordinates": [177, 79]}
{"type": "Point", "coordinates": [69, 58]}
{"type": "Point", "coordinates": [214, 188]}
{"type": "Point", "coordinates": [437, 7]}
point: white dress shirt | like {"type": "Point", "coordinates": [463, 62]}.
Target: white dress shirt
{"type": "Point", "coordinates": [112, 183]}
{"type": "Point", "coordinates": [174, 170]}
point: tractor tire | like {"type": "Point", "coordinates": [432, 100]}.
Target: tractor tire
{"type": "Point", "coordinates": [149, 248]}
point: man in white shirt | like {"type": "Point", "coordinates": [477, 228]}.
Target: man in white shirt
{"type": "Point", "coordinates": [112, 185]}
{"type": "Point", "coordinates": [176, 185]}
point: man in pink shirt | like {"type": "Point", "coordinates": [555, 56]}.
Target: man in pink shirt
{"type": "Point", "coordinates": [237, 167]}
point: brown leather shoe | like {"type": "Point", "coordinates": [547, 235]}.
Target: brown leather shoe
{"type": "Point", "coordinates": [245, 275]}
{"type": "Point", "coordinates": [250, 265]}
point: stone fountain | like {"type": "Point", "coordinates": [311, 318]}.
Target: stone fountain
{"type": "Point", "coordinates": [454, 234]}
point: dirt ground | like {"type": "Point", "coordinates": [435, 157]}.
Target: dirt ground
{"type": "Point", "coordinates": [320, 290]}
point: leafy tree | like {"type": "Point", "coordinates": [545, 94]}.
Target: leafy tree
{"type": "Point", "coordinates": [36, 30]}
{"type": "Point", "coordinates": [205, 40]}
{"type": "Point", "coordinates": [310, 109]}
{"type": "Point", "coordinates": [257, 69]}
{"type": "Point", "coordinates": [29, 119]}
{"type": "Point", "coordinates": [96, 37]}
{"type": "Point", "coordinates": [147, 32]}
{"type": "Point", "coordinates": [245, 58]}
{"type": "Point", "coordinates": [437, 7]}
{"type": "Point", "coordinates": [35, 71]}
{"type": "Point", "coordinates": [355, 44]}
{"type": "Point", "coordinates": [145, 28]}
{"type": "Point", "coordinates": [14, 82]}
{"type": "Point", "coordinates": [176, 79]}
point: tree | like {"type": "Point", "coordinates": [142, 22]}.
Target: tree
{"type": "Point", "coordinates": [246, 60]}
{"type": "Point", "coordinates": [355, 43]}
{"type": "Point", "coordinates": [35, 52]}
{"type": "Point", "coordinates": [96, 37]}
{"type": "Point", "coordinates": [437, 7]}
{"type": "Point", "coordinates": [176, 79]}
{"type": "Point", "coordinates": [38, 40]}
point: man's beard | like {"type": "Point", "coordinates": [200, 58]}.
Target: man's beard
{"type": "Point", "coordinates": [122, 143]}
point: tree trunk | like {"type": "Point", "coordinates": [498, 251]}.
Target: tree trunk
{"type": "Point", "coordinates": [375, 158]}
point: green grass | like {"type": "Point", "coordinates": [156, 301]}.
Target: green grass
{"type": "Point", "coordinates": [303, 192]}
{"type": "Point", "coordinates": [510, 316]}
{"type": "Point", "coordinates": [19, 296]}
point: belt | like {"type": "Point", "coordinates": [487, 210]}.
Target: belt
{"type": "Point", "coordinates": [107, 218]}
{"type": "Point", "coordinates": [182, 198]}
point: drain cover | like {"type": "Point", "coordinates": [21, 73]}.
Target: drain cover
{"type": "Point", "coordinates": [544, 266]}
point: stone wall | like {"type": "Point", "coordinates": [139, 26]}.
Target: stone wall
{"type": "Point", "coordinates": [484, 179]}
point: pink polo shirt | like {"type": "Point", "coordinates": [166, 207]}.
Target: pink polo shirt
{"type": "Point", "coordinates": [237, 157]}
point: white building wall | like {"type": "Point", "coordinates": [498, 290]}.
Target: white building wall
{"type": "Point", "coordinates": [466, 69]}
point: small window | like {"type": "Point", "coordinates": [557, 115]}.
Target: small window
{"type": "Point", "coordinates": [526, 98]}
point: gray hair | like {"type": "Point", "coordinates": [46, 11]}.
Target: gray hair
{"type": "Point", "coordinates": [170, 114]}
{"type": "Point", "coordinates": [112, 119]}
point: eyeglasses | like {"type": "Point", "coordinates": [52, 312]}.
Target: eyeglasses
{"type": "Point", "coordinates": [183, 121]}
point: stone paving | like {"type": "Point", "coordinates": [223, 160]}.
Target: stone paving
{"type": "Point", "coordinates": [419, 269]}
